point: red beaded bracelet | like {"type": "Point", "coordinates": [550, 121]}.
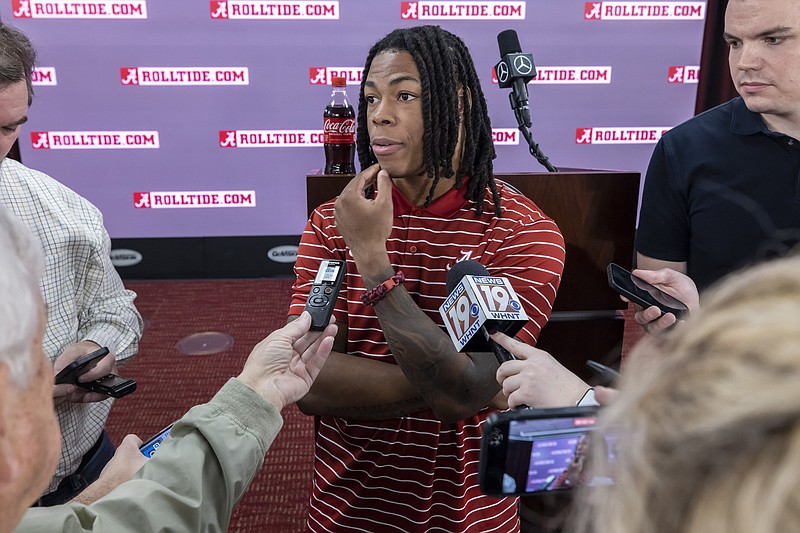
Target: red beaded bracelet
{"type": "Point", "coordinates": [373, 296]}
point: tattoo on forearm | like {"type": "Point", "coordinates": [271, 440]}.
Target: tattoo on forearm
{"type": "Point", "coordinates": [426, 355]}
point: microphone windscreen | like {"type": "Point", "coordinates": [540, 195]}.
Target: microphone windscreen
{"type": "Point", "coordinates": [508, 42]}
{"type": "Point", "coordinates": [461, 269]}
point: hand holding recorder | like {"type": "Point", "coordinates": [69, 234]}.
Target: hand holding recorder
{"type": "Point", "coordinates": [322, 296]}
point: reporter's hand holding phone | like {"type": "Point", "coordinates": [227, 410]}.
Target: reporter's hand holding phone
{"type": "Point", "coordinates": [72, 393]}
{"type": "Point", "coordinates": [126, 462]}
{"type": "Point", "coordinates": [678, 285]}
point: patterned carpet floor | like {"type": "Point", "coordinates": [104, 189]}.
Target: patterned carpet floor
{"type": "Point", "coordinates": [170, 382]}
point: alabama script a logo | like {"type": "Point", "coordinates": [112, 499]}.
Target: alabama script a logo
{"type": "Point", "coordinates": [219, 10]}
{"type": "Point", "coordinates": [21, 9]}
{"type": "Point", "coordinates": [583, 136]}
{"type": "Point", "coordinates": [227, 138]}
{"type": "Point", "coordinates": [591, 10]}
{"type": "Point", "coordinates": [408, 10]}
{"type": "Point", "coordinates": [318, 75]}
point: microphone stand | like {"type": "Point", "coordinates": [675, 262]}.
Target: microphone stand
{"type": "Point", "coordinates": [523, 123]}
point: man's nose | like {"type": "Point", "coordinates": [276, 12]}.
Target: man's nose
{"type": "Point", "coordinates": [749, 57]}
{"type": "Point", "coordinates": [383, 113]}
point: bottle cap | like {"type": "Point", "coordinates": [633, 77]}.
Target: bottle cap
{"type": "Point", "coordinates": [339, 81]}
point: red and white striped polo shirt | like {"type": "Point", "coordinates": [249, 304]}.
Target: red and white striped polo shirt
{"type": "Point", "coordinates": [414, 473]}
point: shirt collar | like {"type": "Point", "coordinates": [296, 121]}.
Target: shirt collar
{"type": "Point", "coordinates": [444, 206]}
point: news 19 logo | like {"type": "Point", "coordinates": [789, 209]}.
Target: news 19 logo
{"type": "Point", "coordinates": [463, 317]}
{"type": "Point", "coordinates": [496, 298]}
{"type": "Point", "coordinates": [476, 300]}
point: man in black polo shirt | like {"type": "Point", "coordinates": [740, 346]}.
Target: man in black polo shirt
{"type": "Point", "coordinates": [723, 189]}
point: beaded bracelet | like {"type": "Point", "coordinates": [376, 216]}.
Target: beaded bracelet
{"type": "Point", "coordinates": [373, 296]}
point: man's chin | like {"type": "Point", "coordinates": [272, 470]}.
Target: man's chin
{"type": "Point", "coordinates": [756, 105]}
{"type": "Point", "coordinates": [394, 170]}
{"type": "Point", "coordinates": [401, 169]}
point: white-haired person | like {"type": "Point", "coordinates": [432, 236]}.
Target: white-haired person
{"type": "Point", "coordinates": [200, 471]}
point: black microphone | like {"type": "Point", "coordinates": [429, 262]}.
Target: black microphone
{"type": "Point", "coordinates": [515, 70]}
{"type": "Point", "coordinates": [477, 339]}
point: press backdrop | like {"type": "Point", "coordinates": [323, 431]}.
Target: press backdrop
{"type": "Point", "coordinates": [192, 124]}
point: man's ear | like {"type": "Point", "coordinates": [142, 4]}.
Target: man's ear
{"type": "Point", "coordinates": [9, 465]}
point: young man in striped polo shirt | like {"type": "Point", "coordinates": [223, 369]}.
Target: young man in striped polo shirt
{"type": "Point", "coordinates": [400, 409]}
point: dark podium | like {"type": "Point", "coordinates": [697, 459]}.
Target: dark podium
{"type": "Point", "coordinates": [596, 211]}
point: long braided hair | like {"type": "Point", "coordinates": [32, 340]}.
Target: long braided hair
{"type": "Point", "coordinates": [449, 84]}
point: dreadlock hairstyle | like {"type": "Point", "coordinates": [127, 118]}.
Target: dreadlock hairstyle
{"type": "Point", "coordinates": [449, 84]}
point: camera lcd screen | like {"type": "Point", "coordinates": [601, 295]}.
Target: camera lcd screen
{"type": "Point", "coordinates": [541, 454]}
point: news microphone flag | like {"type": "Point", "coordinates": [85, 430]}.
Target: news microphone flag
{"type": "Point", "coordinates": [481, 301]}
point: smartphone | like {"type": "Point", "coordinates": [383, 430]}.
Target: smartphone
{"type": "Point", "coordinates": [642, 293]}
{"type": "Point", "coordinates": [150, 447]}
{"type": "Point", "coordinates": [110, 385]}
{"type": "Point", "coordinates": [322, 298]}
{"type": "Point", "coordinates": [81, 365]}
{"type": "Point", "coordinates": [607, 375]}
{"type": "Point", "coordinates": [528, 451]}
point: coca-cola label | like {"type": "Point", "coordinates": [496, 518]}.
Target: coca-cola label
{"type": "Point", "coordinates": [340, 130]}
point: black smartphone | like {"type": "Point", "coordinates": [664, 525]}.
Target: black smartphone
{"type": "Point", "coordinates": [110, 385]}
{"type": "Point", "coordinates": [527, 451]}
{"type": "Point", "coordinates": [607, 375]}
{"type": "Point", "coordinates": [642, 293]}
{"type": "Point", "coordinates": [81, 365]}
{"type": "Point", "coordinates": [322, 298]}
{"type": "Point", "coordinates": [152, 444]}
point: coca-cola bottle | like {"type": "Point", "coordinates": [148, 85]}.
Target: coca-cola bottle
{"type": "Point", "coordinates": [339, 131]}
